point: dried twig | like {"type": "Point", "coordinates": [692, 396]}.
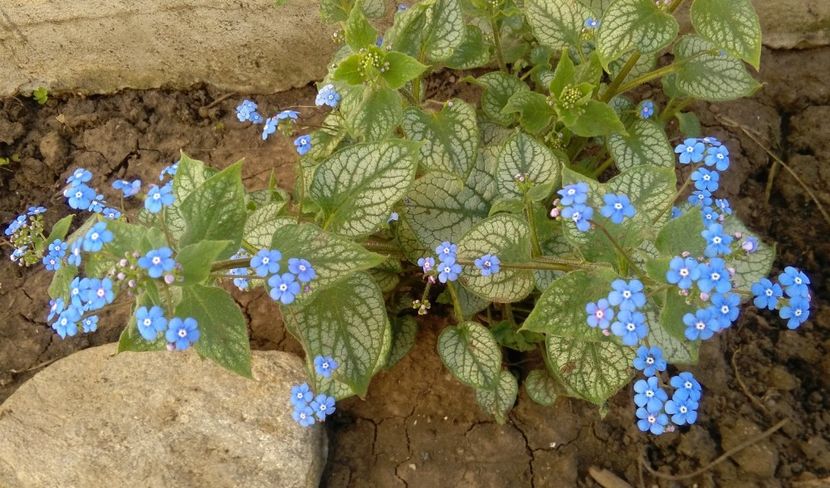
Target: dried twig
{"type": "Point", "coordinates": [743, 386]}
{"type": "Point", "coordinates": [723, 457]}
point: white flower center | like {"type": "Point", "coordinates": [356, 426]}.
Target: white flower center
{"type": "Point", "coordinates": [687, 385]}
{"type": "Point", "coordinates": [576, 216]}
{"type": "Point", "coordinates": [182, 333]}
{"type": "Point", "coordinates": [323, 407]}
{"type": "Point", "coordinates": [797, 281]}
{"type": "Point", "coordinates": [700, 325]}
{"type": "Point", "coordinates": [716, 240]}
{"type": "Point", "coordinates": [683, 409]}
{"type": "Point", "coordinates": [626, 294]}
{"type": "Point", "coordinates": [797, 312]}
{"type": "Point", "coordinates": [325, 365]}
{"type": "Point", "coordinates": [715, 276]}
{"type": "Point", "coordinates": [101, 292]}
{"type": "Point", "coordinates": [156, 260]}
{"type": "Point", "coordinates": [649, 393]}
{"type": "Point", "coordinates": [768, 292]}
{"type": "Point", "coordinates": [651, 419]}
{"type": "Point", "coordinates": [690, 149]}
{"type": "Point", "coordinates": [148, 322]}
{"type": "Point", "coordinates": [618, 206]}
{"type": "Point", "coordinates": [302, 267]}
{"type": "Point", "coordinates": [706, 177]}
{"type": "Point", "coordinates": [571, 191]}
{"type": "Point", "coordinates": [79, 194]}
{"type": "Point", "coordinates": [265, 260]}
{"type": "Point", "coordinates": [283, 287]}
{"type": "Point", "coordinates": [600, 314]}
{"type": "Point", "coordinates": [631, 326]}
{"type": "Point", "coordinates": [684, 272]}
{"type": "Point", "coordinates": [94, 236]}
{"type": "Point", "coordinates": [724, 309]}
{"type": "Point", "coordinates": [156, 196]}
{"type": "Point", "coordinates": [649, 360]}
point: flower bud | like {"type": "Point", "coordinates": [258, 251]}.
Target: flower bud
{"type": "Point", "coordinates": [169, 279]}
{"type": "Point", "coordinates": [171, 347]}
{"type": "Point", "coordinates": [123, 262]}
{"type": "Point", "coordinates": [131, 283]}
{"type": "Point", "coordinates": [606, 332]}
{"type": "Point", "coordinates": [554, 212]}
{"type": "Point", "coordinates": [685, 254]}
{"type": "Point", "coordinates": [431, 279]}
{"type": "Point", "coordinates": [121, 276]}
{"type": "Point", "coordinates": [731, 271]}
{"type": "Point", "coordinates": [704, 296]}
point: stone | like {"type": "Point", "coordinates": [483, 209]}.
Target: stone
{"type": "Point", "coordinates": [759, 459]}
{"type": "Point", "coordinates": [158, 419]}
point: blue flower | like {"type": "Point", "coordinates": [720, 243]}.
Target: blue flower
{"type": "Point", "coordinates": [683, 272]}
{"type": "Point", "coordinates": [169, 171]}
{"type": "Point", "coordinates": [488, 264]}
{"type": "Point", "coordinates": [796, 312]}
{"type": "Point", "coordinates": [287, 115]}
{"type": "Point", "coordinates": [90, 324]}
{"type": "Point", "coordinates": [725, 308]}
{"type": "Point", "coordinates": [580, 215]}
{"type": "Point", "coordinates": [448, 270]}
{"type": "Point", "coordinates": [627, 295]}
{"type": "Point", "coordinates": [158, 261]}
{"type": "Point", "coordinates": [327, 96]}
{"type": "Point", "coordinates": [74, 258]}
{"type": "Point", "coordinates": [646, 109]}
{"type": "Point", "coordinates": [97, 204]}
{"type": "Point", "coordinates": [303, 415]}
{"type": "Point", "coordinates": [574, 193]}
{"type": "Point", "coordinates": [711, 141]}
{"type": "Point", "coordinates": [96, 237]}
{"type": "Point", "coordinates": [393, 217]}
{"type": "Point", "coordinates": [323, 406]}
{"type": "Point", "coordinates": [303, 144]}
{"type": "Point", "coordinates": [649, 360]}
{"type": "Point", "coordinates": [246, 112]}
{"type": "Point", "coordinates": [705, 179]}
{"type": "Point", "coordinates": [723, 205]}
{"type": "Point", "coordinates": [16, 224]}
{"type": "Point", "coordinates": [794, 282]}
{"type": "Point", "coordinates": [654, 422]}
{"type": "Point", "coordinates": [717, 156]}
{"type": "Point", "coordinates": [266, 261]}
{"type": "Point", "coordinates": [717, 241]}
{"type": "Point", "coordinates": [56, 307]}
{"type": "Point", "coordinates": [675, 212]}
{"type": "Point", "coordinates": [600, 314]}
{"type": "Point", "coordinates": [402, 7]}
{"type": "Point", "coordinates": [99, 293]}
{"type": "Point", "coordinates": [182, 333]}
{"type": "Point", "coordinates": [150, 322]}
{"type": "Point", "coordinates": [591, 23]}
{"type": "Point", "coordinates": [79, 197]}
{"type": "Point", "coordinates": [648, 394]}
{"type": "Point", "coordinates": [709, 216]}
{"type": "Point", "coordinates": [302, 269]}
{"type": "Point", "coordinates": [749, 244]}
{"type": "Point", "coordinates": [269, 128]}
{"type": "Point", "coordinates": [683, 411]}
{"type": "Point", "coordinates": [446, 250]}
{"type": "Point", "coordinates": [714, 275]}
{"type": "Point", "coordinates": [630, 326]}
{"type": "Point", "coordinates": [127, 188]}
{"type": "Point", "coordinates": [685, 386]}
{"type": "Point", "coordinates": [301, 395]}
{"type": "Point", "coordinates": [159, 197]}
{"type": "Point", "coordinates": [78, 177]}
{"type": "Point", "coordinates": [691, 151]}
{"type": "Point", "coordinates": [57, 250]}
{"type": "Point", "coordinates": [426, 264]}
{"type": "Point", "coordinates": [67, 323]}
{"type": "Point", "coordinates": [36, 211]}
{"type": "Point", "coordinates": [700, 325]}
{"type": "Point", "coordinates": [111, 213]}
{"type": "Point", "coordinates": [283, 288]}
{"type": "Point", "coordinates": [766, 294]}
{"type": "Point", "coordinates": [78, 289]}
{"type": "Point", "coordinates": [701, 198]}
{"type": "Point", "coordinates": [617, 207]}
{"type": "Point", "coordinates": [325, 365]}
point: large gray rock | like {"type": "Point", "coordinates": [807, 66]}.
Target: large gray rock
{"type": "Point", "coordinates": [158, 420]}
{"type": "Point", "coordinates": [101, 46]}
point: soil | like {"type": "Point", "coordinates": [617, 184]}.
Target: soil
{"type": "Point", "coordinates": [418, 427]}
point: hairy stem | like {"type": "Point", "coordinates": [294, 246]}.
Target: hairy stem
{"type": "Point", "coordinates": [622, 252]}
{"type": "Point", "coordinates": [613, 88]}
{"type": "Point", "coordinates": [456, 304]}
{"type": "Point", "coordinates": [495, 25]}
{"type": "Point", "coordinates": [536, 248]}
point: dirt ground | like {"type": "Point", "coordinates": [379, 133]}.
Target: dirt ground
{"type": "Point", "coordinates": [418, 427]}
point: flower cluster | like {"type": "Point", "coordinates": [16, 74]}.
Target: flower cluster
{"type": "Point", "coordinates": [653, 404]}
{"type": "Point", "coordinates": [284, 287]}
{"type": "Point", "coordinates": [242, 282]}
{"type": "Point", "coordinates": [574, 197]}
{"type": "Point", "coordinates": [180, 333]}
{"type": "Point", "coordinates": [286, 120]}
{"type": "Point", "coordinates": [796, 309]}
{"type": "Point", "coordinates": [25, 232]}
{"type": "Point", "coordinates": [309, 407]}
{"type": "Point", "coordinates": [630, 324]}
{"type": "Point", "coordinates": [80, 196]}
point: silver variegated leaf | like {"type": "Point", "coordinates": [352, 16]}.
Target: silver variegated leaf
{"type": "Point", "coordinates": [522, 156]}
{"type": "Point", "coordinates": [645, 144]}
{"type": "Point", "coordinates": [449, 137]}
{"type": "Point", "coordinates": [731, 25]}
{"type": "Point", "coordinates": [634, 25]}
{"type": "Point", "coordinates": [709, 76]}
{"type": "Point", "coordinates": [471, 353]}
{"type": "Point", "coordinates": [499, 401]}
{"type": "Point", "coordinates": [557, 23]}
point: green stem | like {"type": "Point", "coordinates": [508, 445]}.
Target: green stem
{"type": "Point", "coordinates": [536, 248]}
{"type": "Point", "coordinates": [621, 251]}
{"type": "Point", "coordinates": [166, 229]}
{"type": "Point", "coordinates": [676, 196]}
{"type": "Point", "coordinates": [651, 75]}
{"type": "Point", "coordinates": [508, 314]}
{"type": "Point", "coordinates": [602, 167]}
{"type": "Point", "coordinates": [494, 24]}
{"type": "Point", "coordinates": [613, 88]}
{"type": "Point", "coordinates": [386, 247]}
{"type": "Point", "coordinates": [456, 304]}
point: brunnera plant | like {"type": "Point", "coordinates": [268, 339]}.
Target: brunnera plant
{"type": "Point", "coordinates": [548, 219]}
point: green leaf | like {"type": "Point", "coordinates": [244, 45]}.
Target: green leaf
{"type": "Point", "coordinates": [387, 274]}
{"type": "Point", "coordinates": [470, 304]}
{"type": "Point", "coordinates": [596, 119]}
{"type": "Point", "coordinates": [131, 339]}
{"type": "Point", "coordinates": [634, 24]}
{"type": "Point", "coordinates": [348, 322]}
{"type": "Point", "coordinates": [332, 256]}
{"type": "Point", "coordinates": [682, 234]}
{"type": "Point", "coordinates": [541, 387]}
{"type": "Point", "coordinates": [498, 402]}
{"type": "Point", "coordinates": [404, 332]}
{"type": "Point", "coordinates": [402, 69]}
{"type": "Point", "coordinates": [731, 25]}
{"type": "Point", "coordinates": [431, 30]}
{"type": "Point", "coordinates": [449, 138]}
{"type": "Point", "coordinates": [190, 175]}
{"type": "Point", "coordinates": [564, 75]}
{"type": "Point", "coordinates": [591, 370]}
{"type": "Point", "coordinates": [560, 311]}
{"type": "Point", "coordinates": [498, 88]}
{"type": "Point", "coordinates": [358, 186]}
{"type": "Point", "coordinates": [196, 260]}
{"type": "Point", "coordinates": [507, 336]}
{"type": "Point", "coordinates": [349, 70]}
{"type": "Point", "coordinates": [59, 287]}
{"type": "Point", "coordinates": [508, 205]}
{"type": "Point", "coordinates": [126, 239]}
{"type": "Point", "coordinates": [473, 52]}
{"type": "Point", "coordinates": [507, 237]}
{"type": "Point", "coordinates": [668, 332]}
{"type": "Point", "coordinates": [534, 112]}
{"type": "Point", "coordinates": [645, 144]}
{"type": "Point", "coordinates": [439, 207]}
{"type": "Point", "coordinates": [526, 156]}
{"type": "Point", "coordinates": [471, 353]}
{"type": "Point", "coordinates": [643, 65]}
{"type": "Point", "coordinates": [59, 231]}
{"type": "Point", "coordinates": [688, 124]}
{"type": "Point", "coordinates": [223, 332]}
{"type": "Point", "coordinates": [377, 114]}
{"type": "Point", "coordinates": [749, 267]}
{"type": "Point", "coordinates": [359, 32]}
{"type": "Point", "coordinates": [556, 23]}
{"type": "Point", "coordinates": [216, 210]}
{"type": "Point", "coordinates": [707, 75]}
{"type": "Point", "coordinates": [338, 10]}
{"type": "Point", "coordinates": [262, 223]}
